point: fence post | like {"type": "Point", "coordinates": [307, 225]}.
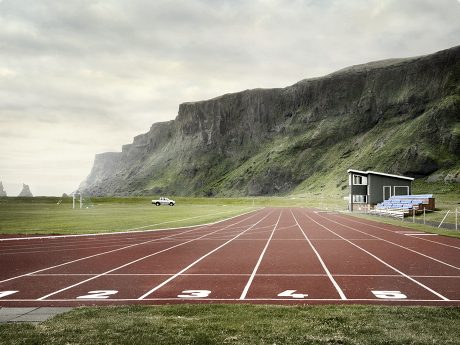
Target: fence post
{"type": "Point", "coordinates": [424, 216]}
{"type": "Point", "coordinates": [456, 217]}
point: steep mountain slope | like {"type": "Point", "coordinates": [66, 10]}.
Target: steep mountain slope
{"type": "Point", "coordinates": [399, 116]}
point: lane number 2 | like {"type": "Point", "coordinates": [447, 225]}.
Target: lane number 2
{"type": "Point", "coordinates": [389, 294]}
{"type": "Point", "coordinates": [195, 294]}
{"type": "Point", "coordinates": [290, 293]}
{"type": "Point", "coordinates": [99, 294]}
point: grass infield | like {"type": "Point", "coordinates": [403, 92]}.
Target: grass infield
{"type": "Point", "coordinates": [242, 324]}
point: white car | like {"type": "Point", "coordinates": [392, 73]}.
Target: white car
{"type": "Point", "coordinates": [163, 201]}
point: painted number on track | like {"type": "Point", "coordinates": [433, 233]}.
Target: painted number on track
{"type": "Point", "coordinates": [99, 294]}
{"type": "Point", "coordinates": [290, 293]}
{"type": "Point", "coordinates": [195, 294]}
{"type": "Point", "coordinates": [6, 293]}
{"type": "Point", "coordinates": [389, 294]}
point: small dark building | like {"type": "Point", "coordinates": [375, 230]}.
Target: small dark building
{"type": "Point", "coordinates": [371, 188]}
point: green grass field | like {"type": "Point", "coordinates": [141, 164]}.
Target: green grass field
{"type": "Point", "coordinates": [209, 324]}
{"type": "Point", "coordinates": [43, 215]}
{"type": "Point", "coordinates": [62, 219]}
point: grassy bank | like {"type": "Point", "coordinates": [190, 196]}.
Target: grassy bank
{"type": "Point", "coordinates": [242, 324]}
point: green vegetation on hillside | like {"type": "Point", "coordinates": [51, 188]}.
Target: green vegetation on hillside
{"type": "Point", "coordinates": [398, 116]}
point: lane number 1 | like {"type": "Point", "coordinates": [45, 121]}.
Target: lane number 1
{"type": "Point", "coordinates": [290, 293]}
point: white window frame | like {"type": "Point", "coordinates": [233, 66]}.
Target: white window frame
{"type": "Point", "coordinates": [363, 201]}
{"type": "Point", "coordinates": [363, 181]}
{"type": "Point", "coordinates": [394, 190]}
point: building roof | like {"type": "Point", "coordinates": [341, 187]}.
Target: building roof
{"type": "Point", "coordinates": [379, 173]}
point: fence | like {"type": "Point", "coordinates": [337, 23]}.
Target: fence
{"type": "Point", "coordinates": [440, 219]}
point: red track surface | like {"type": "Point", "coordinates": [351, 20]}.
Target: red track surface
{"type": "Point", "coordinates": [274, 255]}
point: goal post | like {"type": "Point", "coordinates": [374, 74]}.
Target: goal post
{"type": "Point", "coordinates": [85, 201]}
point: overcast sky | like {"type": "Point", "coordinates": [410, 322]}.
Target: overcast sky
{"type": "Point", "coordinates": [83, 77]}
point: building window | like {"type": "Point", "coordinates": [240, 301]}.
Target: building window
{"type": "Point", "coordinates": [359, 180]}
{"type": "Point", "coordinates": [359, 199]}
{"type": "Point", "coordinates": [401, 190]}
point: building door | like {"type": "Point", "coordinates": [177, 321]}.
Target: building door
{"type": "Point", "coordinates": [386, 192]}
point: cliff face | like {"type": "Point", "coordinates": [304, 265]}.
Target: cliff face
{"type": "Point", "coordinates": [398, 116]}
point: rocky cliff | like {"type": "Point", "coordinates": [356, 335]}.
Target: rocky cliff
{"type": "Point", "coordinates": [399, 116]}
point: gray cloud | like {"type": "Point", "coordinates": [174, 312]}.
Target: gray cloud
{"type": "Point", "coordinates": [84, 77]}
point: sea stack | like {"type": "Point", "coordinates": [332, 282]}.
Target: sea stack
{"type": "Point", "coordinates": [25, 191]}
{"type": "Point", "coordinates": [2, 192]}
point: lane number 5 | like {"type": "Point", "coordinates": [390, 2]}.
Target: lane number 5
{"type": "Point", "coordinates": [389, 294]}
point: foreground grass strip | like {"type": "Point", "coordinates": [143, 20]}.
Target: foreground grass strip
{"type": "Point", "coordinates": [242, 324]}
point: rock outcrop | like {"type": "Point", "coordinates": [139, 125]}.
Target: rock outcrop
{"type": "Point", "coordinates": [2, 192]}
{"type": "Point", "coordinates": [25, 191]}
{"type": "Point", "coordinates": [397, 116]}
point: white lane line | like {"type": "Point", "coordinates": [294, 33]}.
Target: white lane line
{"type": "Point", "coordinates": [195, 262]}
{"type": "Point", "coordinates": [377, 258]}
{"type": "Point", "coordinates": [381, 228]}
{"type": "Point", "coordinates": [108, 252]}
{"type": "Point", "coordinates": [85, 258]}
{"type": "Point", "coordinates": [145, 257]}
{"type": "Point", "coordinates": [180, 220]}
{"type": "Point", "coordinates": [292, 301]}
{"type": "Point", "coordinates": [337, 287]}
{"type": "Point", "coordinates": [128, 231]}
{"type": "Point", "coordinates": [251, 278]}
{"type": "Point", "coordinates": [395, 244]}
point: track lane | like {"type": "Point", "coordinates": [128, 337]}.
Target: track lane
{"type": "Point", "coordinates": [368, 264]}
{"type": "Point", "coordinates": [189, 283]}
{"type": "Point", "coordinates": [419, 290]}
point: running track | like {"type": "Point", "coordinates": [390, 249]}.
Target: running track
{"type": "Point", "coordinates": [272, 255]}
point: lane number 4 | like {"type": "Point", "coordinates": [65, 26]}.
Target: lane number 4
{"type": "Point", "coordinates": [290, 293]}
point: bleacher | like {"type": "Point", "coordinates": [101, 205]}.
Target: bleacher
{"type": "Point", "coordinates": [407, 204]}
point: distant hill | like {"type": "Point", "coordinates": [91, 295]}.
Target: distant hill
{"type": "Point", "coordinates": [399, 116]}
